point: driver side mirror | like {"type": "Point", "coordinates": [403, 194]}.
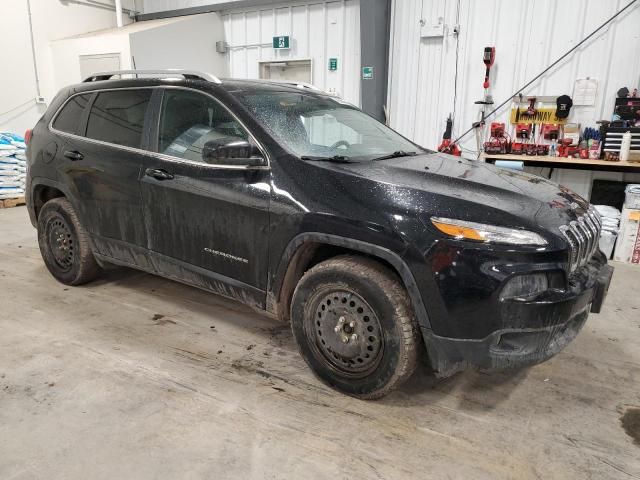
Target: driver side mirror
{"type": "Point", "coordinates": [232, 151]}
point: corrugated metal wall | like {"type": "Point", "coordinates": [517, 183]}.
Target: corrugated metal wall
{"type": "Point", "coordinates": [318, 30]}
{"type": "Point", "coordinates": [528, 36]}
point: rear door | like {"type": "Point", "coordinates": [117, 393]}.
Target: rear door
{"type": "Point", "coordinates": [207, 222]}
{"type": "Point", "coordinates": [103, 163]}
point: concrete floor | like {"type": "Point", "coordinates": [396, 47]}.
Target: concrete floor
{"type": "Point", "coordinates": [139, 377]}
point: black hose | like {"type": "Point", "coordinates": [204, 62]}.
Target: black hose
{"type": "Point", "coordinates": [545, 71]}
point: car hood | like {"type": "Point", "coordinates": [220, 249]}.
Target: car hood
{"type": "Point", "coordinates": [445, 185]}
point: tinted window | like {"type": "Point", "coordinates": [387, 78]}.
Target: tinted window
{"type": "Point", "coordinates": [189, 120]}
{"type": "Point", "coordinates": [69, 117]}
{"type": "Point", "coordinates": [118, 117]}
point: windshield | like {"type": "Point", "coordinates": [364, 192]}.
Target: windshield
{"type": "Point", "coordinates": [321, 127]}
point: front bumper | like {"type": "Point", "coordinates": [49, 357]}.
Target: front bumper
{"type": "Point", "coordinates": [538, 328]}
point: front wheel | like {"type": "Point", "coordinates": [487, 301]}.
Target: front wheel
{"type": "Point", "coordinates": [353, 323]}
{"type": "Point", "coordinates": [64, 244]}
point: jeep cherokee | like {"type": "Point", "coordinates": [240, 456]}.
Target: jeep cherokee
{"type": "Point", "coordinates": [302, 206]}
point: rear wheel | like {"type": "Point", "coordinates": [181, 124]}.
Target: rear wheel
{"type": "Point", "coordinates": [64, 244]}
{"type": "Point", "coordinates": [354, 325]}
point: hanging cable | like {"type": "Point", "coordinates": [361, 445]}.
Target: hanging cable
{"type": "Point", "coordinates": [33, 50]}
{"type": "Point", "coordinates": [455, 80]}
{"type": "Point", "coordinates": [510, 98]}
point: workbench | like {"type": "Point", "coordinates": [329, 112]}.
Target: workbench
{"type": "Point", "coordinates": [563, 162]}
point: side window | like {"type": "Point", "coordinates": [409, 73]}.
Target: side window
{"type": "Point", "coordinates": [68, 119]}
{"type": "Point", "coordinates": [117, 116]}
{"type": "Point", "coordinates": [195, 127]}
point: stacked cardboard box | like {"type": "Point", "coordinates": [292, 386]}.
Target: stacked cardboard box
{"type": "Point", "coordinates": [628, 244]}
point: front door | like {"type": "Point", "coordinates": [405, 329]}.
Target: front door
{"type": "Point", "coordinates": [207, 220]}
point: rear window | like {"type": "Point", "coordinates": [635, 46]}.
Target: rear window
{"type": "Point", "coordinates": [118, 117]}
{"type": "Point", "coordinates": [68, 120]}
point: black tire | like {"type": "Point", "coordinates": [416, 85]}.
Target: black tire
{"type": "Point", "coordinates": [350, 295]}
{"type": "Point", "coordinates": [64, 244]}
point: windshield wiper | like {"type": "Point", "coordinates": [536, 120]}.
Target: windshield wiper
{"type": "Point", "coordinates": [335, 158]}
{"type": "Point", "coordinates": [396, 154]}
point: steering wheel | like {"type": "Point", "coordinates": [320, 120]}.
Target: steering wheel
{"type": "Point", "coordinates": [340, 143]}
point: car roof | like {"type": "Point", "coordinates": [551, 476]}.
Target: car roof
{"type": "Point", "coordinates": [231, 85]}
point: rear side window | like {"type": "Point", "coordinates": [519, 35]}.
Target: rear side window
{"type": "Point", "coordinates": [118, 117]}
{"type": "Point", "coordinates": [68, 120]}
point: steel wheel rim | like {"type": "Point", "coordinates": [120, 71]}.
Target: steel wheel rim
{"type": "Point", "coordinates": [346, 332]}
{"type": "Point", "coordinates": [61, 244]}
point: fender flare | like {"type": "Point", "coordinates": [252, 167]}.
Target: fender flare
{"type": "Point", "coordinates": [371, 249]}
{"type": "Point", "coordinates": [38, 181]}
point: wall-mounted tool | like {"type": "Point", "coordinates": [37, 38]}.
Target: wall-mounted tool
{"type": "Point", "coordinates": [550, 131]}
{"type": "Point", "coordinates": [498, 141]}
{"type": "Point", "coordinates": [446, 146]}
{"type": "Point", "coordinates": [523, 131]}
{"type": "Point", "coordinates": [488, 59]}
{"type": "Point", "coordinates": [531, 109]}
{"type": "Point", "coordinates": [497, 129]}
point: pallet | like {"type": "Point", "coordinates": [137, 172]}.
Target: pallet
{"type": "Point", "coordinates": [12, 202]}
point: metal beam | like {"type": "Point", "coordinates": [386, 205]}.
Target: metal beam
{"type": "Point", "coordinates": [181, 12]}
{"type": "Point", "coordinates": [375, 20]}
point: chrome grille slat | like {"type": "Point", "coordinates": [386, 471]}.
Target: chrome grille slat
{"type": "Point", "coordinates": [594, 232]}
{"type": "Point", "coordinates": [573, 250]}
{"type": "Point", "coordinates": [573, 225]}
{"type": "Point", "coordinates": [588, 239]}
{"type": "Point", "coordinates": [583, 236]}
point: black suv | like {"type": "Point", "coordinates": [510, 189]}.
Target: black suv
{"type": "Point", "coordinates": [302, 206]}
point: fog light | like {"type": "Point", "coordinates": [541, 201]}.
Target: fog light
{"type": "Point", "coordinates": [525, 286]}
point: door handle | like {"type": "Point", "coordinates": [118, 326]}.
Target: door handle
{"type": "Point", "coordinates": [158, 174]}
{"type": "Point", "coordinates": [73, 155]}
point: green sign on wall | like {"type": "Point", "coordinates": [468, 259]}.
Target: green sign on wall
{"type": "Point", "coordinates": [281, 42]}
{"type": "Point", "coordinates": [367, 73]}
{"type": "Point", "coordinates": [333, 64]}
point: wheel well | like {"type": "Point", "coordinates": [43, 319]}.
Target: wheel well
{"type": "Point", "coordinates": [306, 257]}
{"type": "Point", "coordinates": [42, 194]}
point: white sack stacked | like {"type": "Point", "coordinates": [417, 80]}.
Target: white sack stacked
{"type": "Point", "coordinates": [610, 227]}
{"type": "Point", "coordinates": [13, 165]}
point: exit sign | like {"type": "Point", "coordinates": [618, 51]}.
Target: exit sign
{"type": "Point", "coordinates": [281, 43]}
{"type": "Point", "coordinates": [333, 64]}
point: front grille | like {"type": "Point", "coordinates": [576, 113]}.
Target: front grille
{"type": "Point", "coordinates": [583, 236]}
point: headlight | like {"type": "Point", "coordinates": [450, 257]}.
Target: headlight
{"type": "Point", "coordinates": [461, 229]}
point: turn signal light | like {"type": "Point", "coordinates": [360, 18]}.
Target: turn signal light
{"type": "Point", "coordinates": [465, 230]}
{"type": "Point", "coordinates": [458, 231]}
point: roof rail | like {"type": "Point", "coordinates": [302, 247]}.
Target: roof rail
{"type": "Point", "coordinates": [187, 74]}
{"type": "Point", "coordinates": [291, 82]}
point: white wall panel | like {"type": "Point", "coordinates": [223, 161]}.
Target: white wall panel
{"type": "Point", "coordinates": [528, 36]}
{"type": "Point", "coordinates": [51, 21]}
{"type": "Point", "coordinates": [169, 43]}
{"type": "Point", "coordinates": [318, 30]}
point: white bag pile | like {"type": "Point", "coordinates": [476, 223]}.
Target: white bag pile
{"type": "Point", "coordinates": [610, 227]}
{"type": "Point", "coordinates": [13, 165]}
